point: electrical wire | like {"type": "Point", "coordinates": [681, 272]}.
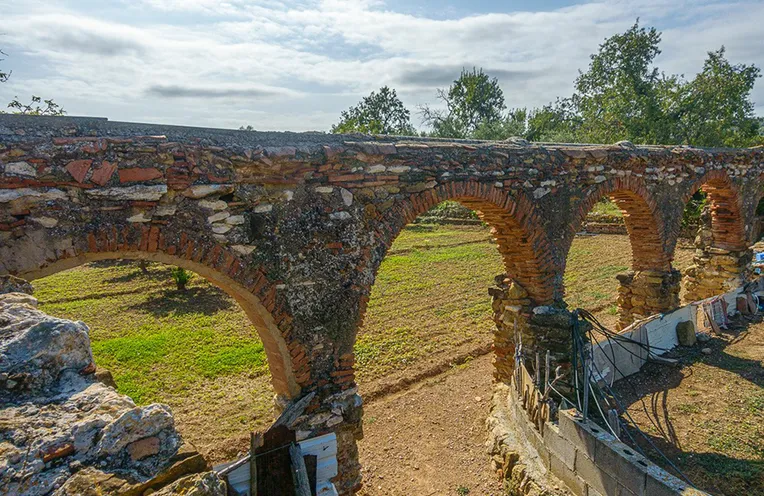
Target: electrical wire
{"type": "Point", "coordinates": [577, 345]}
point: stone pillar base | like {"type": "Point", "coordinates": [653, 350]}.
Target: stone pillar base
{"type": "Point", "coordinates": [540, 328]}
{"type": "Point", "coordinates": [646, 293]}
{"type": "Point", "coordinates": [715, 271]}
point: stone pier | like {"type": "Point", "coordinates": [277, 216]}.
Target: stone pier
{"type": "Point", "coordinates": [646, 292]}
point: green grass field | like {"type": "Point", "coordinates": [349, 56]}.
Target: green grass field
{"type": "Point", "coordinates": [197, 351]}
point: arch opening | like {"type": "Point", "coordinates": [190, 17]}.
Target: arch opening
{"type": "Point", "coordinates": [428, 312]}
{"type": "Point", "coordinates": [713, 210]}
{"type": "Point", "coordinates": [198, 349]}
{"type": "Point", "coordinates": [621, 276]}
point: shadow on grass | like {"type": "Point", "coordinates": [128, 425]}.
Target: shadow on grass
{"type": "Point", "coordinates": [718, 473]}
{"type": "Point", "coordinates": [194, 300]}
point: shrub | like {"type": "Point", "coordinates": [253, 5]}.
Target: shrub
{"type": "Point", "coordinates": [181, 277]}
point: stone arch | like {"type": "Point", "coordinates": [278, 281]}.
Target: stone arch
{"type": "Point", "coordinates": [722, 253]}
{"type": "Point", "coordinates": [516, 228]}
{"type": "Point", "coordinates": [652, 286]}
{"type": "Point", "coordinates": [215, 262]}
{"type": "Point", "coordinates": [522, 244]}
{"type": "Point", "coordinates": [640, 213]}
{"type": "Point", "coordinates": [727, 221]}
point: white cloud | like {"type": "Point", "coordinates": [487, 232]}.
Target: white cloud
{"type": "Point", "coordinates": [287, 65]}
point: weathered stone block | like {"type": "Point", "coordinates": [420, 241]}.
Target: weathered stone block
{"type": "Point", "coordinates": [685, 333]}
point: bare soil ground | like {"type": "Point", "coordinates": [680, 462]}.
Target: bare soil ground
{"type": "Point", "coordinates": [707, 415]}
{"type": "Point", "coordinates": [430, 439]}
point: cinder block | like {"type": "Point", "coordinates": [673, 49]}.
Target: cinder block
{"type": "Point", "coordinates": [559, 446]}
{"type": "Point", "coordinates": [595, 476]}
{"type": "Point", "coordinates": [583, 435]}
{"type": "Point", "coordinates": [623, 464]}
{"type": "Point", "coordinates": [567, 475]}
{"type": "Point", "coordinates": [661, 483]}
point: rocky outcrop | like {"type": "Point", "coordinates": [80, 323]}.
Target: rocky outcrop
{"type": "Point", "coordinates": [63, 432]}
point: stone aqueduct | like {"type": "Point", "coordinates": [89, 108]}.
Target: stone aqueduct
{"type": "Point", "coordinates": [294, 226]}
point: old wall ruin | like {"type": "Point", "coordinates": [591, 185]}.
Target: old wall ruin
{"type": "Point", "coordinates": [295, 225]}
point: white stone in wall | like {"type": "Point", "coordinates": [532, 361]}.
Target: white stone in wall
{"type": "Point", "coordinates": [139, 192]}
{"type": "Point", "coordinates": [141, 217]}
{"type": "Point", "coordinates": [235, 220]}
{"type": "Point", "coordinates": [264, 208]}
{"type": "Point", "coordinates": [45, 221]}
{"type": "Point", "coordinates": [540, 192]}
{"type": "Point", "coordinates": [202, 190]}
{"type": "Point", "coordinates": [7, 195]}
{"type": "Point", "coordinates": [324, 189]}
{"type": "Point", "coordinates": [347, 196]}
{"type": "Point", "coordinates": [398, 169]}
{"type": "Point", "coordinates": [165, 210]}
{"type": "Point", "coordinates": [244, 249]}
{"type": "Point", "coordinates": [339, 215]}
{"type": "Point", "coordinates": [376, 169]}
{"type": "Point", "coordinates": [220, 228]}
{"type": "Point", "coordinates": [20, 169]}
{"type": "Point", "coordinates": [213, 204]}
{"type": "Point", "coordinates": [217, 217]}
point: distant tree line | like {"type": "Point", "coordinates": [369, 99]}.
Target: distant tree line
{"type": "Point", "coordinates": [621, 96]}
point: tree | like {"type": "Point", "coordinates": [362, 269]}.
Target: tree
{"type": "Point", "coordinates": [714, 109]}
{"type": "Point", "coordinates": [473, 101]}
{"type": "Point", "coordinates": [378, 113]}
{"type": "Point", "coordinates": [622, 96]}
{"type": "Point", "coordinates": [34, 107]}
{"type": "Point", "coordinates": [617, 97]}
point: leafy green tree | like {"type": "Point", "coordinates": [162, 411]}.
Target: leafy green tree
{"type": "Point", "coordinates": [622, 96]}
{"type": "Point", "coordinates": [473, 101]}
{"type": "Point", "coordinates": [514, 123]}
{"type": "Point", "coordinates": [714, 109]}
{"type": "Point", "coordinates": [378, 113]}
{"type": "Point", "coordinates": [554, 123]}
{"type": "Point", "coordinates": [617, 97]}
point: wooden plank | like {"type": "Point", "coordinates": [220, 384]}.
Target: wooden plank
{"type": "Point", "coordinates": [274, 469]}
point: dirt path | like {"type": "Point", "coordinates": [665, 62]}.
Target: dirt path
{"type": "Point", "coordinates": [430, 439]}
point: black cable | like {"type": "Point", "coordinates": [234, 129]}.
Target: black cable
{"type": "Point", "coordinates": [636, 427]}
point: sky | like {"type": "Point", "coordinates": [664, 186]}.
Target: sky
{"type": "Point", "coordinates": [295, 65]}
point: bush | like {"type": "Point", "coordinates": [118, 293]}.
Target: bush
{"type": "Point", "coordinates": [691, 214]}
{"type": "Point", "coordinates": [181, 277]}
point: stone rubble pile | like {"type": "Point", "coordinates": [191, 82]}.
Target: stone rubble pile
{"type": "Point", "coordinates": [62, 432]}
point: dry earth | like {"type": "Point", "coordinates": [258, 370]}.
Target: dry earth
{"type": "Point", "coordinates": [707, 415]}
{"type": "Point", "coordinates": [430, 439]}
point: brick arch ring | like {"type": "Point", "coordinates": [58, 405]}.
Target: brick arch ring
{"type": "Point", "coordinates": [727, 223]}
{"type": "Point", "coordinates": [516, 229]}
{"type": "Point", "coordinates": [643, 223]}
{"type": "Point", "coordinates": [216, 263]}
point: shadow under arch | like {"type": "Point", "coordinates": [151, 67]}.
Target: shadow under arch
{"type": "Point", "coordinates": [640, 214]}
{"type": "Point", "coordinates": [515, 227]}
{"type": "Point", "coordinates": [727, 222]}
{"type": "Point", "coordinates": [280, 365]}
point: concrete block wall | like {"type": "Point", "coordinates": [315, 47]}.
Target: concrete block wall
{"type": "Point", "coordinates": [590, 461]}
